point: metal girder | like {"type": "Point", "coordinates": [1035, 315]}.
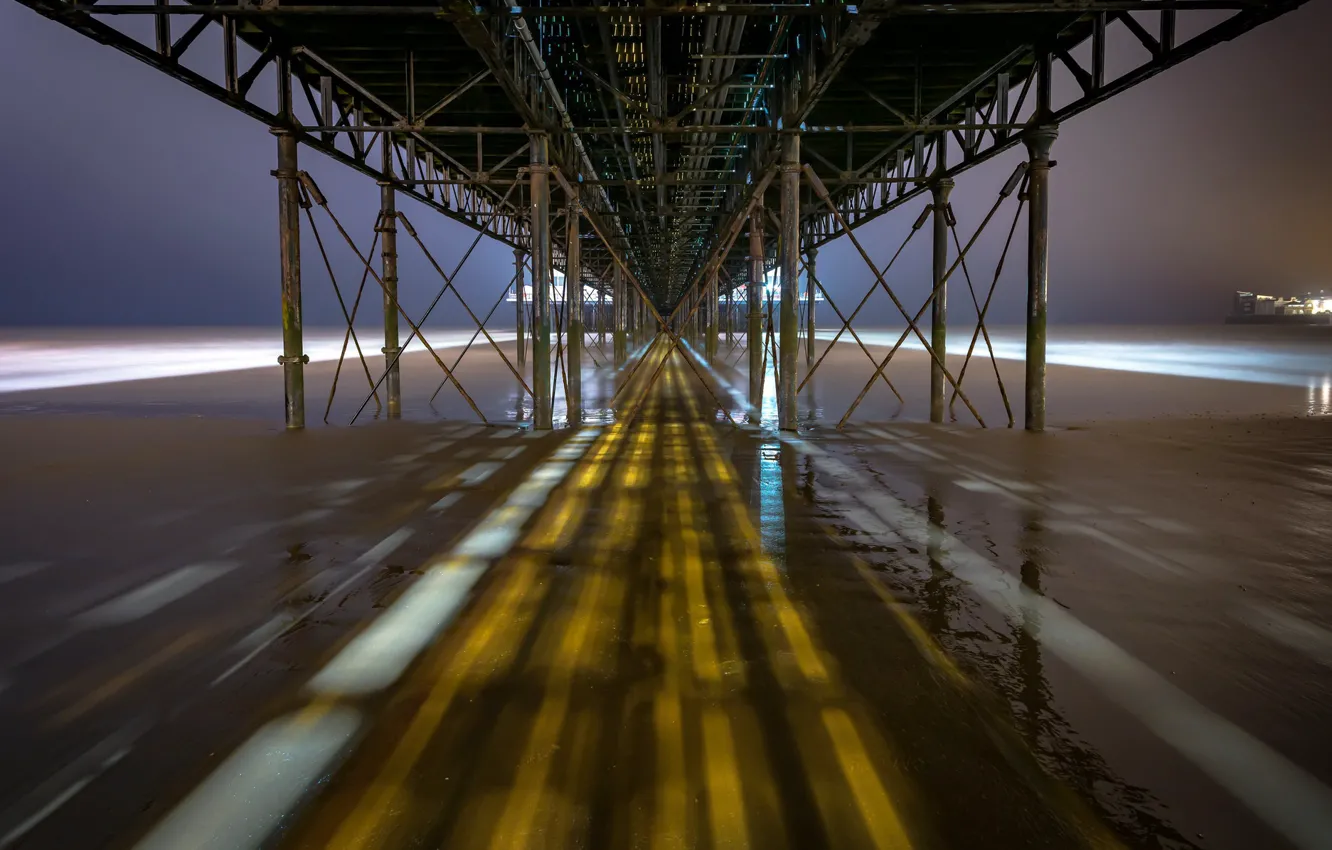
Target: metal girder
{"type": "Point", "coordinates": [862, 202]}
{"type": "Point", "coordinates": [860, 12]}
{"type": "Point", "coordinates": [234, 86]}
{"type": "Point", "coordinates": [669, 110]}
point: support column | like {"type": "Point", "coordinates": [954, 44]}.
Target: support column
{"type": "Point", "coordinates": [730, 312]}
{"type": "Point", "coordinates": [640, 320]}
{"type": "Point", "coordinates": [631, 321]}
{"type": "Point", "coordinates": [692, 310]}
{"type": "Point", "coordinates": [1039, 141]}
{"type": "Point", "coordinates": [388, 240]}
{"type": "Point", "coordinates": [810, 289]}
{"type": "Point", "coordinates": [711, 296]}
{"type": "Point", "coordinates": [573, 307]}
{"type": "Point", "coordinates": [789, 260]}
{"type": "Point", "coordinates": [754, 295]}
{"type": "Point", "coordinates": [621, 314]}
{"type": "Point", "coordinates": [520, 290]}
{"type": "Point", "coordinates": [539, 174]}
{"type": "Point", "coordinates": [939, 307]}
{"type": "Point", "coordinates": [293, 358]}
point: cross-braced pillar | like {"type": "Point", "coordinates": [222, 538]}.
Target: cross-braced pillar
{"type": "Point", "coordinates": [754, 297]}
{"type": "Point", "coordinates": [730, 312]}
{"type": "Point", "coordinates": [293, 358]}
{"type": "Point", "coordinates": [388, 240]}
{"type": "Point", "coordinates": [601, 316]}
{"type": "Point", "coordinates": [1039, 141]}
{"type": "Point", "coordinates": [810, 288]}
{"type": "Point", "coordinates": [573, 305]}
{"type": "Point", "coordinates": [540, 224]}
{"type": "Point", "coordinates": [620, 308]}
{"type": "Point", "coordinates": [634, 320]}
{"type": "Point", "coordinates": [788, 329]}
{"type": "Point", "coordinates": [520, 292]}
{"type": "Point", "coordinates": [939, 307]}
{"type": "Point", "coordinates": [710, 295]}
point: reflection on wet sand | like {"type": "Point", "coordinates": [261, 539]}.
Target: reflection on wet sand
{"type": "Point", "coordinates": [667, 632]}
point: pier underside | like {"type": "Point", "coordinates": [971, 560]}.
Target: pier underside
{"type": "Point", "coordinates": [663, 577]}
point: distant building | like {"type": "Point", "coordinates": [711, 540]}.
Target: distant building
{"type": "Point", "coordinates": [1310, 308]}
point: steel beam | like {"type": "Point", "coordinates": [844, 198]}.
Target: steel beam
{"type": "Point", "coordinates": [573, 308]}
{"type": "Point", "coordinates": [788, 329]}
{"type": "Point", "coordinates": [539, 172]}
{"type": "Point", "coordinates": [730, 314]}
{"type": "Point", "coordinates": [293, 358]}
{"type": "Point", "coordinates": [620, 307]}
{"type": "Point", "coordinates": [520, 287]}
{"type": "Point", "coordinates": [388, 230]}
{"type": "Point", "coordinates": [710, 295]}
{"type": "Point", "coordinates": [434, 12]}
{"type": "Point", "coordinates": [810, 289]}
{"type": "Point", "coordinates": [939, 307]}
{"type": "Point", "coordinates": [754, 296]}
{"type": "Point", "coordinates": [1039, 141]}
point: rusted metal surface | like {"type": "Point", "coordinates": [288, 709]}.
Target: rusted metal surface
{"type": "Point", "coordinates": [293, 357]}
{"type": "Point", "coordinates": [573, 305]}
{"type": "Point", "coordinates": [939, 308]}
{"type": "Point", "coordinates": [388, 228]}
{"type": "Point", "coordinates": [754, 316]}
{"type": "Point", "coordinates": [710, 296]}
{"type": "Point", "coordinates": [811, 288]}
{"type": "Point", "coordinates": [539, 215]}
{"type": "Point", "coordinates": [789, 281]}
{"type": "Point", "coordinates": [520, 299]}
{"type": "Point", "coordinates": [621, 315]}
{"type": "Point", "coordinates": [1039, 141]}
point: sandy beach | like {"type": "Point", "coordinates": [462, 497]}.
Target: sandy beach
{"type": "Point", "coordinates": [156, 534]}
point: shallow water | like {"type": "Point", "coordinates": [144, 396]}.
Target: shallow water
{"type": "Point", "coordinates": [1096, 373]}
{"type": "Point", "coordinates": [1013, 639]}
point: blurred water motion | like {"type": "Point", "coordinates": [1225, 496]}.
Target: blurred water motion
{"type": "Point", "coordinates": [48, 358]}
{"type": "Point", "coordinates": [1286, 356]}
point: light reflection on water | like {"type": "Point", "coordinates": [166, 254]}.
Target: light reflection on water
{"type": "Point", "coordinates": [1286, 356]}
{"type": "Point", "coordinates": [1320, 396]}
{"type": "Point", "coordinates": [772, 512]}
{"type": "Point", "coordinates": [38, 359]}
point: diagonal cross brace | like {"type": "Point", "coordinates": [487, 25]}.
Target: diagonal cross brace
{"type": "Point", "coordinates": [448, 284]}
{"type": "Point", "coordinates": [416, 328]}
{"type": "Point", "coordinates": [350, 318]}
{"type": "Point", "coordinates": [980, 317]}
{"type": "Point", "coordinates": [984, 309]}
{"type": "Point", "coordinates": [846, 325]}
{"type": "Point", "coordinates": [846, 322]}
{"type": "Point", "coordinates": [1003, 194]}
{"type": "Point", "coordinates": [819, 189]}
{"type": "Point", "coordinates": [468, 347]}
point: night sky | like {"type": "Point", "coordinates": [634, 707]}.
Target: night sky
{"type": "Point", "coordinates": [128, 198]}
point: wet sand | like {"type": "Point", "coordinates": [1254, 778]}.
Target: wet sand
{"type": "Point", "coordinates": [158, 533]}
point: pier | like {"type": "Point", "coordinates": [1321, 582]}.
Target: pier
{"type": "Point", "coordinates": [656, 571]}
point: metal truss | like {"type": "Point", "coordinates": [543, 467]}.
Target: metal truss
{"type": "Point", "coordinates": [345, 109]}
{"type": "Point", "coordinates": [984, 117]}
